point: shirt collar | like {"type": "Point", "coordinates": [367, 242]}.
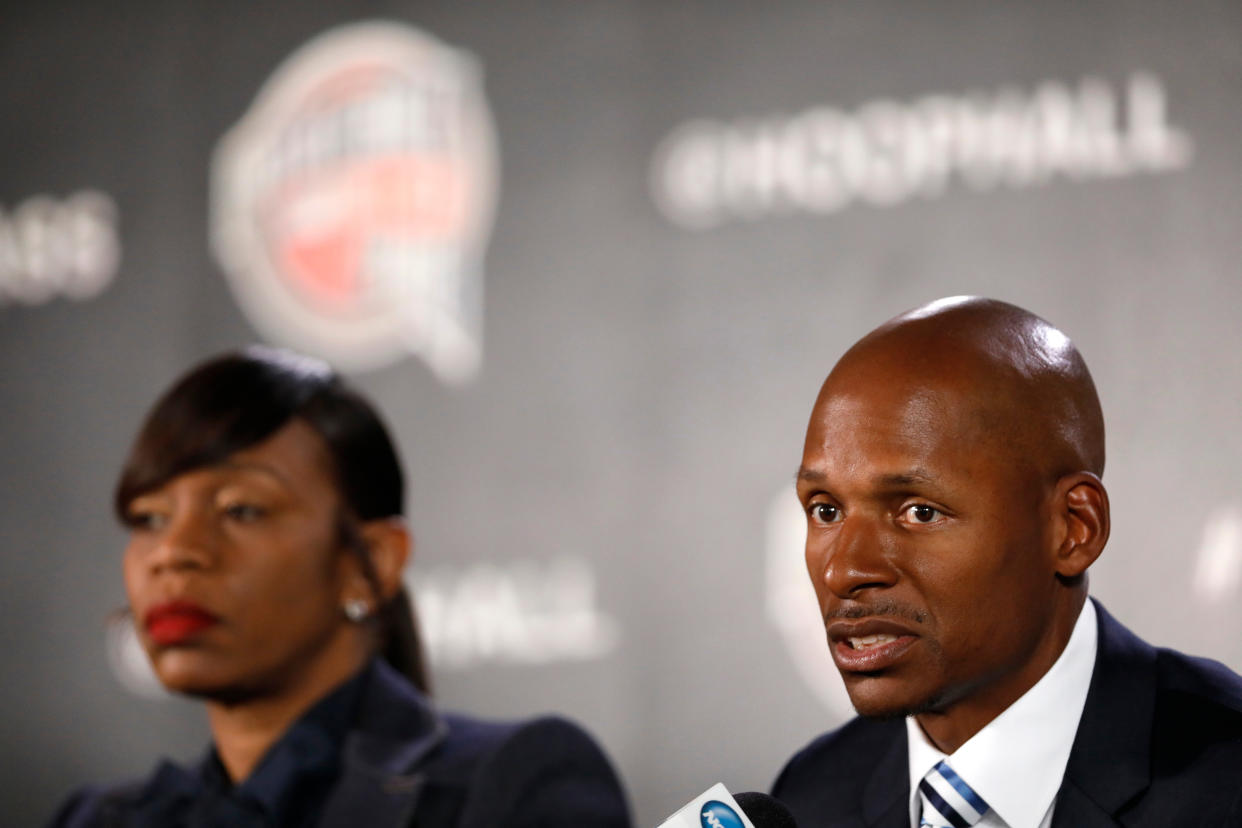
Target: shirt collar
{"type": "Point", "coordinates": [1016, 762]}
{"type": "Point", "coordinates": [293, 771]}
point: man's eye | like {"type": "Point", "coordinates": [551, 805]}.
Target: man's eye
{"type": "Point", "coordinates": [922, 513]}
{"type": "Point", "coordinates": [824, 512]}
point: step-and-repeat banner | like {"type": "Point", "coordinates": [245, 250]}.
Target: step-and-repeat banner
{"type": "Point", "coordinates": [593, 260]}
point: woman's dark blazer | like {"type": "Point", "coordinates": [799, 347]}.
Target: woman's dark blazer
{"type": "Point", "coordinates": [406, 764]}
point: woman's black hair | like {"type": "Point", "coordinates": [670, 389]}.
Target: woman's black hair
{"type": "Point", "coordinates": [237, 400]}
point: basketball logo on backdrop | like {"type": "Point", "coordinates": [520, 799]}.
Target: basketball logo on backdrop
{"type": "Point", "coordinates": [792, 608]}
{"type": "Point", "coordinates": [351, 205]}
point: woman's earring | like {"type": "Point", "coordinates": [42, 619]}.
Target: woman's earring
{"type": "Point", "coordinates": [357, 609]}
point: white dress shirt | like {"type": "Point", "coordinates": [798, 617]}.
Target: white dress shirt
{"type": "Point", "coordinates": [1016, 762]}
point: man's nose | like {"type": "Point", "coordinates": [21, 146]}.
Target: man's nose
{"type": "Point", "coordinates": [857, 559]}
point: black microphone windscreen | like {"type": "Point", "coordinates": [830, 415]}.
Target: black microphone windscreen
{"type": "Point", "coordinates": [765, 811]}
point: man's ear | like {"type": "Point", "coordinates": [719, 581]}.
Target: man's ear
{"type": "Point", "coordinates": [1080, 507]}
{"type": "Point", "coordinates": [389, 545]}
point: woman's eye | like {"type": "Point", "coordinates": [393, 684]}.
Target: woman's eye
{"type": "Point", "coordinates": [824, 512]}
{"type": "Point", "coordinates": [244, 512]}
{"type": "Point", "coordinates": [922, 513]}
{"type": "Point", "coordinates": [144, 521]}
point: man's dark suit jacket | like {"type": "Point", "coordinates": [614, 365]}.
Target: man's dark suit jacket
{"type": "Point", "coordinates": [406, 764]}
{"type": "Point", "coordinates": [1159, 744]}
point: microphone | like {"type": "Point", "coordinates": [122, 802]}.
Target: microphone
{"type": "Point", "coordinates": [716, 808]}
{"type": "Point", "coordinates": [765, 811]}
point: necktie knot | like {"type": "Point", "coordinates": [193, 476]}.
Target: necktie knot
{"type": "Point", "coordinates": [948, 802]}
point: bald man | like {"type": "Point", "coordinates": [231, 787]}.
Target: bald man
{"type": "Point", "coordinates": [951, 482]}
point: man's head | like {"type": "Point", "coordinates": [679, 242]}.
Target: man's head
{"type": "Point", "coordinates": [951, 482]}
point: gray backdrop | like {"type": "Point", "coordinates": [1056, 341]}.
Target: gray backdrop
{"type": "Point", "coordinates": [700, 206]}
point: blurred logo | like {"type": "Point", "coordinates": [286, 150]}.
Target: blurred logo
{"type": "Point", "coordinates": [884, 153]}
{"type": "Point", "coordinates": [352, 204]}
{"type": "Point", "coordinates": [1217, 577]}
{"type": "Point", "coordinates": [716, 814]}
{"type": "Point", "coordinates": [127, 660]}
{"type": "Point", "coordinates": [52, 247]}
{"type": "Point", "coordinates": [514, 612]}
{"type": "Point", "coordinates": [792, 607]}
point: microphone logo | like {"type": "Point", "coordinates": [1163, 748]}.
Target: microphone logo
{"type": "Point", "coordinates": [716, 814]}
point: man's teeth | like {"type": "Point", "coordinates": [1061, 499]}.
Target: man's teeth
{"type": "Point", "coordinates": [868, 641]}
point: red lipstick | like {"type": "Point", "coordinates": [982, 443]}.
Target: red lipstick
{"type": "Point", "coordinates": [176, 622]}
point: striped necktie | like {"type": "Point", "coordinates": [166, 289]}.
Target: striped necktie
{"type": "Point", "coordinates": [948, 802]}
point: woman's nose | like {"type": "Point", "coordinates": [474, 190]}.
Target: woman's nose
{"type": "Point", "coordinates": [186, 542]}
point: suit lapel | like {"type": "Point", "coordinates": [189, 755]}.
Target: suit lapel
{"type": "Point", "coordinates": [886, 798]}
{"type": "Point", "coordinates": [394, 730]}
{"type": "Point", "coordinates": [1109, 765]}
{"type": "Point", "coordinates": [384, 801]}
{"type": "Point", "coordinates": [1075, 809]}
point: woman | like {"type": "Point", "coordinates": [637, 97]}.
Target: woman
{"type": "Point", "coordinates": [264, 500]}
